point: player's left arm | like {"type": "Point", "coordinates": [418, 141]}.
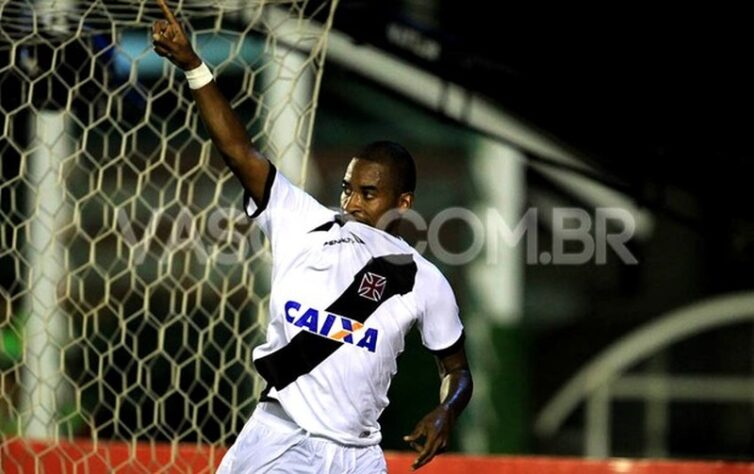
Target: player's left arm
{"type": "Point", "coordinates": [455, 392]}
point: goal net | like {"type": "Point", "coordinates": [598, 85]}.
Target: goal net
{"type": "Point", "coordinates": [132, 287]}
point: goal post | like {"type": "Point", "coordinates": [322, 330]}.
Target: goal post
{"type": "Point", "coordinates": [132, 287]}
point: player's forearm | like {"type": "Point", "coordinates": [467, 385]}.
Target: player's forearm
{"type": "Point", "coordinates": [231, 139]}
{"type": "Point", "coordinates": [224, 127]}
{"type": "Point", "coordinates": [455, 390]}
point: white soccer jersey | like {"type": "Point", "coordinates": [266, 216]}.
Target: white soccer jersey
{"type": "Point", "coordinates": [344, 296]}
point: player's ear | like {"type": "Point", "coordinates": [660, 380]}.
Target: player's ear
{"type": "Point", "coordinates": [405, 201]}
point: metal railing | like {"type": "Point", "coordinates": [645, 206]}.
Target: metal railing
{"type": "Point", "coordinates": [605, 378]}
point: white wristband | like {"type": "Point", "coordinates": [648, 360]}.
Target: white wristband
{"type": "Point", "coordinates": [199, 77]}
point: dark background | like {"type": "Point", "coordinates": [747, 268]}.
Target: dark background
{"type": "Point", "coordinates": [658, 99]}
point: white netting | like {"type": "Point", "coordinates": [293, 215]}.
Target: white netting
{"type": "Point", "coordinates": [132, 289]}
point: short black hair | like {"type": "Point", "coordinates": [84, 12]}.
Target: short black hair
{"type": "Point", "coordinates": [396, 157]}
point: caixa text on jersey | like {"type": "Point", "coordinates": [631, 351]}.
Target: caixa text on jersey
{"type": "Point", "coordinates": [331, 326]}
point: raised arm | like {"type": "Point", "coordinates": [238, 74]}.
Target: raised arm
{"type": "Point", "coordinates": [455, 392]}
{"type": "Point", "coordinates": [225, 128]}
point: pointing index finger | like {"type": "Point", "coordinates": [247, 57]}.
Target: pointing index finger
{"type": "Point", "coordinates": [166, 11]}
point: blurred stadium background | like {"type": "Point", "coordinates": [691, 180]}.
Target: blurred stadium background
{"type": "Point", "coordinates": [122, 317]}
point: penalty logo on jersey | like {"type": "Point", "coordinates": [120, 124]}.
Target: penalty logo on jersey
{"type": "Point", "coordinates": [331, 326]}
{"type": "Point", "coordinates": [372, 286]}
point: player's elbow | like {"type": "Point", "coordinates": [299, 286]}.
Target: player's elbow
{"type": "Point", "coordinates": [470, 379]}
{"type": "Point", "coordinates": [465, 382]}
{"type": "Point", "coordinates": [251, 168]}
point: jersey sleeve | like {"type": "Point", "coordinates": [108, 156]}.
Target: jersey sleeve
{"type": "Point", "coordinates": [285, 212]}
{"type": "Point", "coordinates": [439, 322]}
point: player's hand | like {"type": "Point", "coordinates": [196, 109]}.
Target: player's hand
{"type": "Point", "coordinates": [169, 40]}
{"type": "Point", "coordinates": [435, 428]}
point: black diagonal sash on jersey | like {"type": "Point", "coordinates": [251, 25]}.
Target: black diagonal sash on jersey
{"type": "Point", "coordinates": [306, 350]}
{"type": "Point", "coordinates": [337, 219]}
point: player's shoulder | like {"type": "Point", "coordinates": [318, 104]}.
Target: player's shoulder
{"type": "Point", "coordinates": [432, 290]}
{"type": "Point", "coordinates": [428, 271]}
{"type": "Point", "coordinates": [389, 244]}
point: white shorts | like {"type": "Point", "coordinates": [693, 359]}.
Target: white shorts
{"type": "Point", "coordinates": [271, 442]}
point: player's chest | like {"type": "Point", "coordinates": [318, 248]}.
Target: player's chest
{"type": "Point", "coordinates": [352, 297]}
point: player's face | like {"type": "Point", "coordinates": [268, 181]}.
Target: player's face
{"type": "Point", "coordinates": [368, 192]}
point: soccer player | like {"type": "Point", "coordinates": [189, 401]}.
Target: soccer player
{"type": "Point", "coordinates": [344, 295]}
